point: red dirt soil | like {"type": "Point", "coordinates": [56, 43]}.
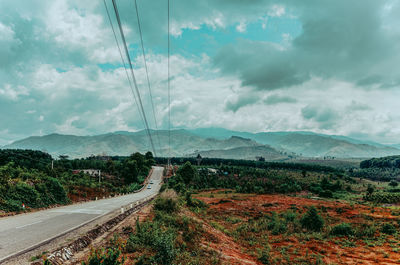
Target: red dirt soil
{"type": "Point", "coordinates": [332, 250]}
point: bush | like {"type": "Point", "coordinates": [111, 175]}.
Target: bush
{"type": "Point", "coordinates": [194, 203]}
{"type": "Point", "coordinates": [11, 206]}
{"type": "Point", "coordinates": [312, 220]}
{"type": "Point", "coordinates": [57, 190]}
{"type": "Point", "coordinates": [393, 183]}
{"type": "Point", "coordinates": [133, 187]}
{"type": "Point", "coordinates": [343, 229]}
{"type": "Point", "coordinates": [25, 194]}
{"type": "Point", "coordinates": [150, 234]}
{"type": "Point", "coordinates": [388, 228]}
{"type": "Point", "coordinates": [264, 257]}
{"type": "Point", "coordinates": [365, 230]}
{"type": "Point", "coordinates": [276, 226]}
{"type": "Point", "coordinates": [326, 194]}
{"type": "Point", "coordinates": [167, 205]}
{"type": "Point", "coordinates": [110, 256]}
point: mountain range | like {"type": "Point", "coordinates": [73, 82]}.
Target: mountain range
{"type": "Point", "coordinates": [209, 142]}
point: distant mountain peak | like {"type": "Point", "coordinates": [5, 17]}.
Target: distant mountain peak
{"type": "Point", "coordinates": [220, 141]}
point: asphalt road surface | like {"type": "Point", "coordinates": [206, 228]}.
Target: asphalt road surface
{"type": "Point", "coordinates": [22, 232]}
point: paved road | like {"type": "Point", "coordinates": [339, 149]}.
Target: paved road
{"type": "Point", "coordinates": [21, 232]}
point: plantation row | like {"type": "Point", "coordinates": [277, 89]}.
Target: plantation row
{"type": "Point", "coordinates": [213, 162]}
{"type": "Point", "coordinates": [383, 197]}
{"type": "Point", "coordinates": [256, 180]}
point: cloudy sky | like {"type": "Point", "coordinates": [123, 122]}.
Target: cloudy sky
{"type": "Point", "coordinates": [251, 65]}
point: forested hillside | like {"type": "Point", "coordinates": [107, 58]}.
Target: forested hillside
{"type": "Point", "coordinates": [28, 181]}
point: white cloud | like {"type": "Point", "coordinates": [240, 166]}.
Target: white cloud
{"type": "Point", "coordinates": [82, 98]}
{"type": "Point", "coordinates": [241, 27]}
{"type": "Point", "coordinates": [276, 11]}
{"type": "Point", "coordinates": [7, 41]}
{"type": "Point", "coordinates": [10, 92]}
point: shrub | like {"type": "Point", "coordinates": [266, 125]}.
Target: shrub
{"type": "Point", "coordinates": [388, 228]}
{"type": "Point", "coordinates": [326, 194]}
{"type": "Point", "coordinates": [150, 234]}
{"type": "Point", "coordinates": [365, 230]}
{"type": "Point", "coordinates": [264, 257]}
{"type": "Point", "coordinates": [343, 229]}
{"type": "Point", "coordinates": [110, 256]}
{"type": "Point", "coordinates": [370, 189]}
{"type": "Point", "coordinates": [393, 183]}
{"type": "Point", "coordinates": [167, 205]}
{"type": "Point", "coordinates": [11, 205]}
{"type": "Point", "coordinates": [312, 220]}
{"type": "Point", "coordinates": [133, 187]}
{"type": "Point", "coordinates": [26, 194]}
{"type": "Point", "coordinates": [276, 226]}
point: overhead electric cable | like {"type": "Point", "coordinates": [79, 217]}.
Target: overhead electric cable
{"type": "Point", "coordinates": [123, 62]}
{"type": "Point", "coordinates": [147, 73]}
{"type": "Point", "coordinates": [133, 75]}
{"type": "Point", "coordinates": [169, 89]}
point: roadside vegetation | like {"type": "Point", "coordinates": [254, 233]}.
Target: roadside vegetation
{"type": "Point", "coordinates": [235, 214]}
{"type": "Point", "coordinates": [270, 211]}
{"type": "Point", "coordinates": [226, 211]}
{"type": "Point", "coordinates": [168, 235]}
{"type": "Point", "coordinates": [27, 180]}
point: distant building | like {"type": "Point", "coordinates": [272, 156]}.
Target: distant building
{"type": "Point", "coordinates": [102, 157]}
{"type": "Point", "coordinates": [260, 158]}
{"type": "Point", "coordinates": [212, 170]}
{"type": "Point", "coordinates": [90, 172]}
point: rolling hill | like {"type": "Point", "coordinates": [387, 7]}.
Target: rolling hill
{"type": "Point", "coordinates": [244, 152]}
{"type": "Point", "coordinates": [212, 142]}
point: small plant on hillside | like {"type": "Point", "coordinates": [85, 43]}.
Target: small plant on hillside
{"type": "Point", "coordinates": [370, 189]}
{"type": "Point", "coordinates": [343, 229]}
{"type": "Point", "coordinates": [312, 220]}
{"type": "Point", "coordinates": [388, 228]}
{"type": "Point", "coordinates": [167, 202]}
{"type": "Point", "coordinates": [276, 225]}
{"type": "Point", "coordinates": [393, 183]}
{"type": "Point", "coordinates": [110, 256]}
{"type": "Point", "coordinates": [264, 256]}
{"type": "Point", "coordinates": [365, 230]}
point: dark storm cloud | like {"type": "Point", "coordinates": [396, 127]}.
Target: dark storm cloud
{"type": "Point", "coordinates": [324, 116]}
{"type": "Point", "coordinates": [241, 102]}
{"type": "Point", "coordinates": [343, 40]}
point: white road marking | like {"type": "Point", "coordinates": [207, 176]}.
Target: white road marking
{"type": "Point", "coordinates": [18, 227]}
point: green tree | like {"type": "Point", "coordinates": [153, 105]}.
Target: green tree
{"type": "Point", "coordinates": [5, 176]}
{"type": "Point", "coordinates": [110, 167]}
{"type": "Point", "coordinates": [370, 189]}
{"type": "Point", "coordinates": [311, 220]}
{"type": "Point", "coordinates": [393, 183]}
{"type": "Point", "coordinates": [130, 170]}
{"type": "Point", "coordinates": [187, 172]}
{"type": "Point", "coordinates": [149, 159]}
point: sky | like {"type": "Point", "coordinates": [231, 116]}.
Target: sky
{"type": "Point", "coordinates": [250, 65]}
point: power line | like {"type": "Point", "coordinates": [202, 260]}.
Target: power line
{"type": "Point", "coordinates": [123, 61]}
{"type": "Point", "coordinates": [133, 75]}
{"type": "Point", "coordinates": [169, 89]}
{"type": "Point", "coordinates": [147, 73]}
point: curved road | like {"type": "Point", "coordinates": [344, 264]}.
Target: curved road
{"type": "Point", "coordinates": [22, 232]}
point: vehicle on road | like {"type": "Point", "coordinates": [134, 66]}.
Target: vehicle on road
{"type": "Point", "coordinates": [148, 187]}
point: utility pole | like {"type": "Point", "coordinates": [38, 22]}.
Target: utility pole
{"type": "Point", "coordinates": [52, 164]}
{"type": "Point", "coordinates": [169, 165]}
{"type": "Point", "coordinates": [99, 176]}
{"type": "Point", "coordinates": [199, 158]}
